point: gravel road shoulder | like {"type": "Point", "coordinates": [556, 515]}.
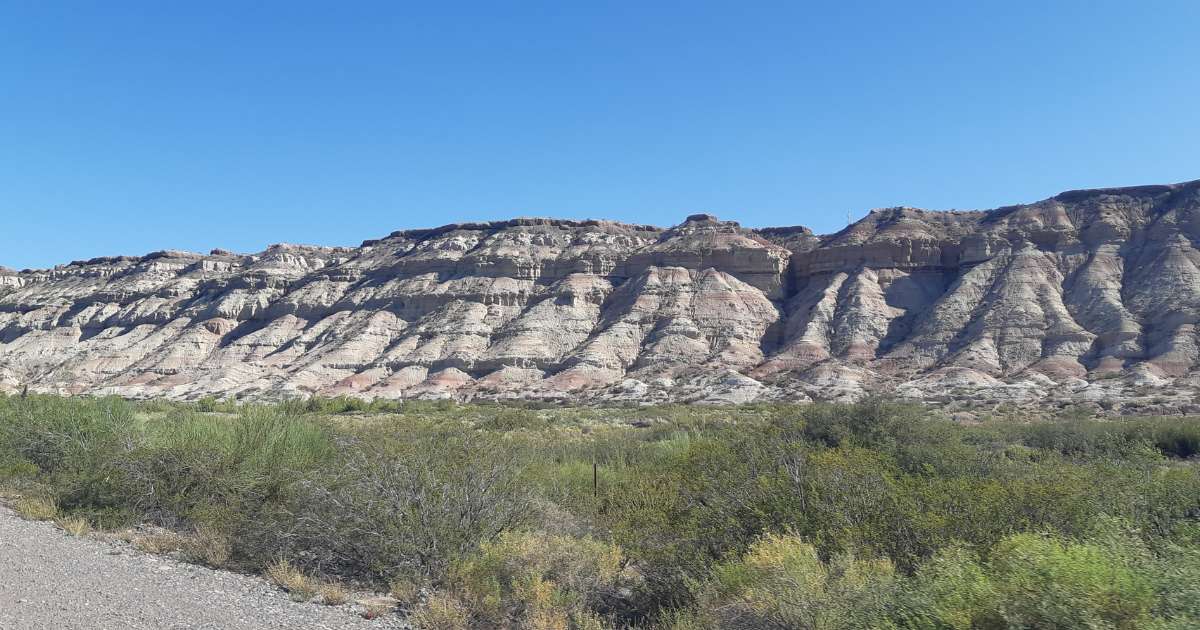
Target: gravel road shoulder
{"type": "Point", "coordinates": [51, 580]}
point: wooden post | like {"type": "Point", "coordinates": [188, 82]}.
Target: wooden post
{"type": "Point", "coordinates": [595, 478]}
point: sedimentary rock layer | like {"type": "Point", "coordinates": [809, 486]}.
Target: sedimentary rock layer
{"type": "Point", "coordinates": [1071, 297]}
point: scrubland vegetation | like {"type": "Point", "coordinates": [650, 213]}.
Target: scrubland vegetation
{"type": "Point", "coordinates": [873, 515]}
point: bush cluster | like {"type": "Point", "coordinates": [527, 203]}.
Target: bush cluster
{"type": "Point", "coordinates": [872, 515]}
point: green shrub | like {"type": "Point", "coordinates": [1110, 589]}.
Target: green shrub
{"type": "Point", "coordinates": [781, 582]}
{"type": "Point", "coordinates": [951, 591]}
{"type": "Point", "coordinates": [1175, 574]}
{"type": "Point", "coordinates": [1082, 436]}
{"type": "Point", "coordinates": [193, 468]}
{"type": "Point", "coordinates": [542, 580]}
{"type": "Point", "coordinates": [403, 511]}
{"type": "Point", "coordinates": [1045, 582]}
{"type": "Point", "coordinates": [14, 468]}
{"type": "Point", "coordinates": [212, 404]}
{"type": "Point", "coordinates": [872, 422]}
{"type": "Point", "coordinates": [60, 433]}
{"type": "Point", "coordinates": [436, 495]}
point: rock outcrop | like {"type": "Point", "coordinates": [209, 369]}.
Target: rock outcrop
{"type": "Point", "coordinates": [1089, 296]}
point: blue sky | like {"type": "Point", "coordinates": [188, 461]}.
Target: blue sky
{"type": "Point", "coordinates": [127, 127]}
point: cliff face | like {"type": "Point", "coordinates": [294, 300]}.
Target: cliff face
{"type": "Point", "coordinates": [1090, 295]}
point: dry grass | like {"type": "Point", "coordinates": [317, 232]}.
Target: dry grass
{"type": "Point", "coordinates": [293, 580]}
{"type": "Point", "coordinates": [406, 591]}
{"type": "Point", "coordinates": [158, 543]}
{"type": "Point", "coordinates": [74, 525]}
{"type": "Point", "coordinates": [207, 546]}
{"type": "Point", "coordinates": [333, 594]}
{"type": "Point", "coordinates": [36, 508]}
{"type": "Point", "coordinates": [442, 611]}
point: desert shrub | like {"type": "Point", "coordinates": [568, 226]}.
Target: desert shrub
{"type": "Point", "coordinates": [1084, 437]}
{"type": "Point", "coordinates": [207, 404]}
{"type": "Point", "coordinates": [513, 420]}
{"type": "Point", "coordinates": [872, 422]}
{"type": "Point", "coordinates": [684, 509]}
{"type": "Point", "coordinates": [1163, 499]}
{"type": "Point", "coordinates": [1174, 437]}
{"type": "Point", "coordinates": [154, 406]}
{"type": "Point", "coordinates": [542, 580]}
{"type": "Point", "coordinates": [14, 468]}
{"type": "Point", "coordinates": [197, 469]}
{"type": "Point", "coordinates": [680, 514]}
{"type": "Point", "coordinates": [936, 512]}
{"type": "Point", "coordinates": [99, 458]}
{"type": "Point", "coordinates": [181, 470]}
{"type": "Point", "coordinates": [400, 511]}
{"type": "Point", "coordinates": [58, 433]}
{"type": "Point", "coordinates": [1175, 574]}
{"type": "Point", "coordinates": [1046, 582]}
{"type": "Point", "coordinates": [1108, 580]}
{"type": "Point", "coordinates": [432, 496]}
{"type": "Point", "coordinates": [951, 591]}
{"type": "Point", "coordinates": [212, 404]}
{"type": "Point", "coordinates": [781, 582]}
{"type": "Point", "coordinates": [850, 499]}
{"type": "Point", "coordinates": [1125, 438]}
{"type": "Point", "coordinates": [325, 405]}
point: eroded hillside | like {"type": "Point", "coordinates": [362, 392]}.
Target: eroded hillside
{"type": "Point", "coordinates": [1087, 296]}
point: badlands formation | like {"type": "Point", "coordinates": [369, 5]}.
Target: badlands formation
{"type": "Point", "coordinates": [1090, 297]}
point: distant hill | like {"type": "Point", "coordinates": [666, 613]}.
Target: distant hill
{"type": "Point", "coordinates": [1088, 297]}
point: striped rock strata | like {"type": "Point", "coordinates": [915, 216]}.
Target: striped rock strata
{"type": "Point", "coordinates": [1090, 296]}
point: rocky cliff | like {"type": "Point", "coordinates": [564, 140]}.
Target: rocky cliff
{"type": "Point", "coordinates": [1088, 296]}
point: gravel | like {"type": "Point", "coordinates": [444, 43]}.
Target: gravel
{"type": "Point", "coordinates": [51, 580]}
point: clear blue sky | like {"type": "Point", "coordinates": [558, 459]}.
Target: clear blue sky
{"type": "Point", "coordinates": [127, 127]}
